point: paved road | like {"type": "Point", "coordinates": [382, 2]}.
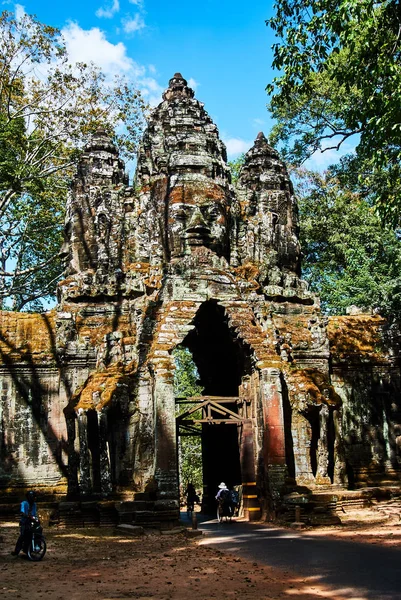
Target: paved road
{"type": "Point", "coordinates": [349, 569]}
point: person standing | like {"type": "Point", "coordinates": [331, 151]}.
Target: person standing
{"type": "Point", "coordinates": [191, 496]}
{"type": "Point", "coordinates": [223, 492]}
{"type": "Point", "coordinates": [28, 513]}
{"type": "Point", "coordinates": [234, 499]}
{"type": "Point", "coordinates": [223, 498]}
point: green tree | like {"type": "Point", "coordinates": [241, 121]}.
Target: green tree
{"type": "Point", "coordinates": [186, 384]}
{"type": "Point", "coordinates": [235, 166]}
{"type": "Point", "coordinates": [349, 256]}
{"type": "Point", "coordinates": [340, 79]}
{"type": "Point", "coordinates": [48, 110]}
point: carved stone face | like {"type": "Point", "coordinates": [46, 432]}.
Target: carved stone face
{"type": "Point", "coordinates": [201, 222]}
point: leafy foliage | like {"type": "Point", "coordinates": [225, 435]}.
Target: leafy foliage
{"type": "Point", "coordinates": [48, 110]}
{"type": "Point", "coordinates": [349, 256]}
{"type": "Point", "coordinates": [340, 78]}
{"type": "Point", "coordinates": [186, 385]}
{"type": "Point", "coordinates": [235, 166]}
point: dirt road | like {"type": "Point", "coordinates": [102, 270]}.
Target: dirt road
{"type": "Point", "coordinates": [100, 564]}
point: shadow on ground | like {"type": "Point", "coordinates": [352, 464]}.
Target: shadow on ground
{"type": "Point", "coordinates": [332, 567]}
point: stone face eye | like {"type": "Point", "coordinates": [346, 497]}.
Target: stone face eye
{"type": "Point", "coordinates": [210, 212]}
{"type": "Point", "coordinates": [180, 214]}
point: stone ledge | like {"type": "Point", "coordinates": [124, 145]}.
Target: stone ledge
{"type": "Point", "coordinates": [131, 530]}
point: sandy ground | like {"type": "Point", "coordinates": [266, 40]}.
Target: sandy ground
{"type": "Point", "coordinates": [379, 525]}
{"type": "Point", "coordinates": [101, 564]}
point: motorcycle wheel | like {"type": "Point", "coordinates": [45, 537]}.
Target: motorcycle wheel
{"type": "Point", "coordinates": [37, 550]}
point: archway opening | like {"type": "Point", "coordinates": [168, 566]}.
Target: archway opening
{"type": "Point", "coordinates": [189, 446]}
{"type": "Point", "coordinates": [221, 362]}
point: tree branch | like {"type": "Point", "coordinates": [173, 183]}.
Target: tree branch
{"type": "Point", "coordinates": [34, 269]}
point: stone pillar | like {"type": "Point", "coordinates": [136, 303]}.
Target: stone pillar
{"type": "Point", "coordinates": [322, 477]}
{"type": "Point", "coordinates": [141, 431]}
{"type": "Point", "coordinates": [85, 483]}
{"type": "Point", "coordinates": [273, 416]}
{"type": "Point", "coordinates": [166, 468]}
{"type": "Point", "coordinates": [251, 505]}
{"type": "Point", "coordinates": [340, 470]}
{"type": "Point", "coordinates": [247, 455]}
{"type": "Point", "coordinates": [104, 459]}
{"type": "Point", "coordinates": [302, 435]}
{"type": "Point", "coordinates": [73, 455]}
{"type": "Point", "coordinates": [273, 435]}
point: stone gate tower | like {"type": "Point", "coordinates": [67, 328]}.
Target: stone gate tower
{"type": "Point", "coordinates": [184, 257]}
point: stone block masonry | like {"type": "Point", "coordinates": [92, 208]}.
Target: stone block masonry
{"type": "Point", "coordinates": [186, 258]}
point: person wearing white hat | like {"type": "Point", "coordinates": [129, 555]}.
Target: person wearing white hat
{"type": "Point", "coordinates": [223, 499]}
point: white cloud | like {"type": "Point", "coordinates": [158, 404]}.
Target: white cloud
{"type": "Point", "coordinates": [151, 90]}
{"type": "Point", "coordinates": [151, 84]}
{"type": "Point", "coordinates": [259, 122]}
{"type": "Point", "coordinates": [321, 160]}
{"type": "Point", "coordinates": [19, 11]}
{"type": "Point", "coordinates": [91, 45]}
{"type": "Point", "coordinates": [193, 83]}
{"type": "Point", "coordinates": [152, 69]}
{"type": "Point", "coordinates": [109, 11]}
{"type": "Point", "coordinates": [236, 146]}
{"type": "Point", "coordinates": [133, 25]}
{"type": "Point", "coordinates": [138, 3]}
{"type": "Point", "coordinates": [153, 100]}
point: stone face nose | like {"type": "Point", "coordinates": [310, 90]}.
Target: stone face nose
{"type": "Point", "coordinates": [198, 231]}
{"type": "Point", "coordinates": [197, 221]}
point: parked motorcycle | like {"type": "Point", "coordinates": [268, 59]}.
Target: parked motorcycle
{"type": "Point", "coordinates": [35, 543]}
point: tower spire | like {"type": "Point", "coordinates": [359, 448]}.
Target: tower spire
{"type": "Point", "coordinates": [178, 87]}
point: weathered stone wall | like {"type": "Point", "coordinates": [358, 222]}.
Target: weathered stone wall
{"type": "Point", "coordinates": [33, 431]}
{"type": "Point", "coordinates": [366, 376]}
{"type": "Point", "coordinates": [185, 258]}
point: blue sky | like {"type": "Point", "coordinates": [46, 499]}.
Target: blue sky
{"type": "Point", "coordinates": [223, 47]}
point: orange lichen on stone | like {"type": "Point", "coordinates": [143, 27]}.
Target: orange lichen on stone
{"type": "Point", "coordinates": [141, 267]}
{"type": "Point", "coordinates": [241, 320]}
{"type": "Point", "coordinates": [95, 328]}
{"type": "Point", "coordinates": [358, 338]}
{"type": "Point", "coordinates": [167, 331]}
{"type": "Point", "coordinates": [102, 387]}
{"type": "Point", "coordinates": [67, 281]}
{"type": "Point", "coordinates": [312, 384]}
{"type": "Point", "coordinates": [151, 274]}
{"type": "Point", "coordinates": [246, 273]}
{"type": "Point", "coordinates": [189, 193]}
{"type": "Point", "coordinates": [296, 326]}
{"type": "Point", "coordinates": [25, 335]}
{"type": "Point", "coordinates": [144, 189]}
